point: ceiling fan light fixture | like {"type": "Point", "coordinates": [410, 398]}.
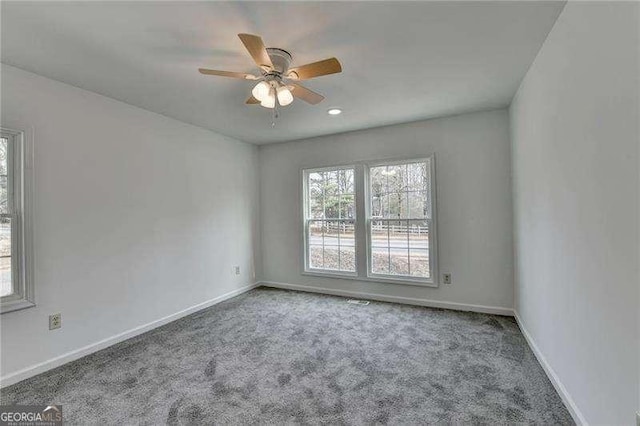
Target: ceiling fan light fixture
{"type": "Point", "coordinates": [261, 90]}
{"type": "Point", "coordinates": [284, 96]}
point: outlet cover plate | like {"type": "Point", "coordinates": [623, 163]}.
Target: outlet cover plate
{"type": "Point", "coordinates": [446, 278]}
{"type": "Point", "coordinates": [55, 321]}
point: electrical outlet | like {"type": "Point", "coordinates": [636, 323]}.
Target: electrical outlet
{"type": "Point", "coordinates": [55, 321]}
{"type": "Point", "coordinates": [446, 278]}
{"type": "Point", "coordinates": [237, 270]}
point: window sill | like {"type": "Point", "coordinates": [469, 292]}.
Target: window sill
{"type": "Point", "coordinates": [15, 305]}
{"type": "Point", "coordinates": [373, 279]}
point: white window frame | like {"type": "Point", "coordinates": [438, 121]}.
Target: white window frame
{"type": "Point", "coordinates": [19, 194]}
{"type": "Point", "coordinates": [433, 264]}
{"type": "Point", "coordinates": [362, 224]}
{"type": "Point", "coordinates": [305, 220]}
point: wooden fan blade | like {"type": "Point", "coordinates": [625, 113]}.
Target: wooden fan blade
{"type": "Point", "coordinates": [256, 49]}
{"type": "Point", "coordinates": [316, 69]}
{"type": "Point", "coordinates": [305, 94]}
{"type": "Point", "coordinates": [231, 74]}
{"type": "Point", "coordinates": [252, 101]}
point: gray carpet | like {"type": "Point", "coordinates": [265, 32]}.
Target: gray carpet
{"type": "Point", "coordinates": [273, 357]}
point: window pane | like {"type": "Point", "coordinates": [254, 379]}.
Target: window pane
{"type": "Point", "coordinates": [316, 258]}
{"type": "Point", "coordinates": [331, 195]}
{"type": "Point", "coordinates": [399, 261]}
{"type": "Point", "coordinates": [331, 206]}
{"type": "Point", "coordinates": [376, 206]}
{"type": "Point", "coordinates": [316, 210]}
{"type": "Point", "coordinates": [398, 247]}
{"type": "Point", "coordinates": [393, 178]}
{"type": "Point", "coordinates": [419, 263]}
{"type": "Point", "coordinates": [346, 183]}
{"type": "Point", "coordinates": [331, 233]}
{"type": "Point", "coordinates": [379, 234]}
{"type": "Point", "coordinates": [347, 207]}
{"type": "Point", "coordinates": [419, 248]}
{"type": "Point", "coordinates": [348, 259]}
{"type": "Point", "coordinates": [316, 231]}
{"type": "Point", "coordinates": [331, 259]}
{"type": "Point", "coordinates": [377, 183]}
{"type": "Point", "coordinates": [398, 234]}
{"type": "Point", "coordinates": [315, 188]}
{"type": "Point", "coordinates": [389, 251]}
{"type": "Point", "coordinates": [380, 260]}
{"type": "Point", "coordinates": [347, 234]}
{"type": "Point", "coordinates": [416, 176]}
{"type": "Point", "coordinates": [384, 206]}
{"type": "Point", "coordinates": [6, 287]}
{"type": "Point", "coordinates": [417, 204]}
{"type": "Point", "coordinates": [4, 205]}
{"type": "Point", "coordinates": [419, 234]}
{"type": "Point", "coordinates": [347, 246]}
{"type": "Point", "coordinates": [331, 183]}
{"type": "Point", "coordinates": [3, 175]}
{"type": "Point", "coordinates": [397, 205]}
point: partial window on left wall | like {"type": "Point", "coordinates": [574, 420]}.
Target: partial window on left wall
{"type": "Point", "coordinates": [330, 217]}
{"type": "Point", "coordinates": [16, 286]}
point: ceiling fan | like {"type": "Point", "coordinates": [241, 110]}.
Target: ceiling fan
{"type": "Point", "coordinates": [277, 82]}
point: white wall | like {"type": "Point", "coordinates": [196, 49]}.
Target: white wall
{"type": "Point", "coordinates": [575, 162]}
{"type": "Point", "coordinates": [137, 216]}
{"type": "Point", "coordinates": [473, 200]}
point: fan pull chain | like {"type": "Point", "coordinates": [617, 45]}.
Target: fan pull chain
{"type": "Point", "coordinates": [275, 114]}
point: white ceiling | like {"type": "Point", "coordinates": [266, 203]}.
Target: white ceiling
{"type": "Point", "coordinates": [402, 61]}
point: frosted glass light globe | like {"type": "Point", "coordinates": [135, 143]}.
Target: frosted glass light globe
{"type": "Point", "coordinates": [261, 90]}
{"type": "Point", "coordinates": [284, 96]}
{"type": "Point", "coordinates": [270, 100]}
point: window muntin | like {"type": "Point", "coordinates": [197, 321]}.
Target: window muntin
{"type": "Point", "coordinates": [401, 220]}
{"type": "Point", "coordinates": [330, 219]}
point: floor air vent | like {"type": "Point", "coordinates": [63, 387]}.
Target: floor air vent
{"type": "Point", "coordinates": [358, 302]}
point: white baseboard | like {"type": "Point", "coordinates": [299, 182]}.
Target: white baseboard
{"type": "Point", "coordinates": [496, 310]}
{"type": "Point", "coordinates": [553, 377]}
{"type": "Point", "coordinates": [36, 369]}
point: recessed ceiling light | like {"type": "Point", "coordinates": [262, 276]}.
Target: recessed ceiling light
{"type": "Point", "coordinates": [334, 111]}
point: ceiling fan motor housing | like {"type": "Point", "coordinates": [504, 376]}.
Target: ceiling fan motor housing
{"type": "Point", "coordinates": [280, 58]}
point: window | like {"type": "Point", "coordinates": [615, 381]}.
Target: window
{"type": "Point", "coordinates": [16, 291]}
{"type": "Point", "coordinates": [400, 220]}
{"type": "Point", "coordinates": [390, 237]}
{"type": "Point", "coordinates": [330, 213]}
